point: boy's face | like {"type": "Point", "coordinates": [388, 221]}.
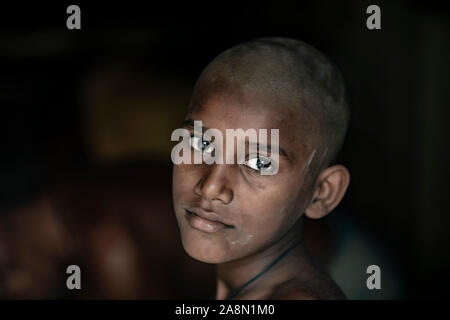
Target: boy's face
{"type": "Point", "coordinates": [255, 210]}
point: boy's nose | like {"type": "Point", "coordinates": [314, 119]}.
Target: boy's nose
{"type": "Point", "coordinates": [214, 184]}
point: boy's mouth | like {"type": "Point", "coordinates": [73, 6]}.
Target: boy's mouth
{"type": "Point", "coordinates": [206, 221]}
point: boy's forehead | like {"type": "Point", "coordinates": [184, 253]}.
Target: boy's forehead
{"type": "Point", "coordinates": [237, 107]}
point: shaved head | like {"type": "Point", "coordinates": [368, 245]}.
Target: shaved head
{"type": "Point", "coordinates": [262, 84]}
{"type": "Point", "coordinates": [289, 74]}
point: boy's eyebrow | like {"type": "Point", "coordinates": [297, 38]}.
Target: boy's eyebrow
{"type": "Point", "coordinates": [269, 147]}
{"type": "Point", "coordinates": [190, 123]}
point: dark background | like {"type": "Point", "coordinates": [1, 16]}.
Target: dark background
{"type": "Point", "coordinates": [69, 108]}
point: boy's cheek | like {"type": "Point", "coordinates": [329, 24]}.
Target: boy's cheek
{"type": "Point", "coordinates": [261, 218]}
{"type": "Point", "coordinates": [273, 213]}
{"type": "Point", "coordinates": [183, 178]}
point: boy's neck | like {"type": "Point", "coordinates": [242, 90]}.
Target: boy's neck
{"type": "Point", "coordinates": [232, 275]}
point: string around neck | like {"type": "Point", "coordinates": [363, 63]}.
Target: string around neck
{"type": "Point", "coordinates": [267, 268]}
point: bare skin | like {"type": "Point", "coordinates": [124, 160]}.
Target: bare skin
{"type": "Point", "coordinates": [261, 214]}
{"type": "Point", "coordinates": [296, 277]}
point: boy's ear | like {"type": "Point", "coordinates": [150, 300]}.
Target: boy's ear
{"type": "Point", "coordinates": [330, 189]}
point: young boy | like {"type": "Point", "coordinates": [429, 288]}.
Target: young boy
{"type": "Point", "coordinates": [247, 223]}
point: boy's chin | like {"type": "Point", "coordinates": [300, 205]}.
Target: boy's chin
{"type": "Point", "coordinates": [207, 253]}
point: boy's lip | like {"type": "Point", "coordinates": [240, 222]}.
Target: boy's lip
{"type": "Point", "coordinates": [208, 221]}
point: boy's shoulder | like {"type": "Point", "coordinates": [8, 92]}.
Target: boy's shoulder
{"type": "Point", "coordinates": [298, 290]}
{"type": "Point", "coordinates": [314, 284]}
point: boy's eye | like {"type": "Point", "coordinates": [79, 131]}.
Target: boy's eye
{"type": "Point", "coordinates": [259, 163]}
{"type": "Point", "coordinates": [199, 144]}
